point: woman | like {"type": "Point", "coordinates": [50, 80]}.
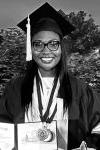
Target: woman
{"type": "Point", "coordinates": [48, 92]}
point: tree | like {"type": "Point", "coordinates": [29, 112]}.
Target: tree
{"type": "Point", "coordinates": [12, 55]}
{"type": "Point", "coordinates": [82, 61]}
{"type": "Point", "coordinates": [86, 36]}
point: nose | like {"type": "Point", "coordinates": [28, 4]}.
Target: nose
{"type": "Point", "coordinates": [46, 49]}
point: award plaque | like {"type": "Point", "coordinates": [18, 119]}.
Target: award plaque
{"type": "Point", "coordinates": [38, 136]}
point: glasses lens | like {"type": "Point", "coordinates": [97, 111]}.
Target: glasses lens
{"type": "Point", "coordinates": [37, 45]}
{"type": "Point", "coordinates": [53, 45]}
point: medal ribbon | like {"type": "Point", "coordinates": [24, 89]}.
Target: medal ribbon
{"type": "Point", "coordinates": [45, 118]}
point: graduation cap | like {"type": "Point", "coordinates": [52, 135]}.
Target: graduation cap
{"type": "Point", "coordinates": [45, 17]}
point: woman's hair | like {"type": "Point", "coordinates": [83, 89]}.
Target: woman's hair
{"type": "Point", "coordinates": [32, 69]}
{"type": "Point", "coordinates": [46, 24]}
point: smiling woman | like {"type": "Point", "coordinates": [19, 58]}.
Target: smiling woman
{"type": "Point", "coordinates": [47, 57]}
{"type": "Point", "coordinates": [48, 92]}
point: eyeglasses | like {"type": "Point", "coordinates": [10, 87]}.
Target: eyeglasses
{"type": "Point", "coordinates": [52, 45]}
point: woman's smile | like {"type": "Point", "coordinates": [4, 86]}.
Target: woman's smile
{"type": "Point", "coordinates": [46, 59]}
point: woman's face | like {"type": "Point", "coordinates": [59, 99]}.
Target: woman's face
{"type": "Point", "coordinates": [48, 56]}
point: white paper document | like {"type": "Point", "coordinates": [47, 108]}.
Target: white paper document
{"type": "Point", "coordinates": [30, 136]}
{"type": "Point", "coordinates": [6, 136]}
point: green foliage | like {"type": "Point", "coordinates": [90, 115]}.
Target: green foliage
{"type": "Point", "coordinates": [86, 36]}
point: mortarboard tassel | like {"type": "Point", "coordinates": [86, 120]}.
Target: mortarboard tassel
{"type": "Point", "coordinates": [28, 42]}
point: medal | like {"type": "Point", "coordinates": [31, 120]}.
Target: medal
{"type": "Point", "coordinates": [44, 134]}
{"type": "Point", "coordinates": [45, 117]}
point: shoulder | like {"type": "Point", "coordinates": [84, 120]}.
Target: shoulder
{"type": "Point", "coordinates": [84, 93]}
{"type": "Point", "coordinates": [15, 82]}
{"type": "Point", "coordinates": [76, 82]}
{"type": "Point", "coordinates": [10, 102]}
{"type": "Point", "coordinates": [13, 89]}
{"type": "Point", "coordinates": [81, 90]}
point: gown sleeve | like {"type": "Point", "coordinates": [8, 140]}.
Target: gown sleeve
{"type": "Point", "coordinates": [84, 115]}
{"type": "Point", "coordinates": [10, 101]}
{"type": "Point", "coordinates": [93, 116]}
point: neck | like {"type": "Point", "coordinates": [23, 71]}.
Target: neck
{"type": "Point", "coordinates": [47, 73]}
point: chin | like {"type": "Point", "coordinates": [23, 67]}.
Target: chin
{"type": "Point", "coordinates": [47, 71]}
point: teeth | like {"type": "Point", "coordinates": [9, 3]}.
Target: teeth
{"type": "Point", "coordinates": [46, 59]}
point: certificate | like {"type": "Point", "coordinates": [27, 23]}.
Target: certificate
{"type": "Point", "coordinates": [6, 136]}
{"type": "Point", "coordinates": [37, 136]}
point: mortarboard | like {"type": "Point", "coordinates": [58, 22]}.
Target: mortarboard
{"type": "Point", "coordinates": [45, 11]}
{"type": "Point", "coordinates": [48, 11]}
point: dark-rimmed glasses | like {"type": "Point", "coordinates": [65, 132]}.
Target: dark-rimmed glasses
{"type": "Point", "coordinates": [52, 45]}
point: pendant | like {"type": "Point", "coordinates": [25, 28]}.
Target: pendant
{"type": "Point", "coordinates": [44, 134]}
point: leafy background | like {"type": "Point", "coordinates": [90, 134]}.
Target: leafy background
{"type": "Point", "coordinates": [84, 52]}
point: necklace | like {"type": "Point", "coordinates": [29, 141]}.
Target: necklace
{"type": "Point", "coordinates": [45, 117]}
{"type": "Point", "coordinates": [44, 134]}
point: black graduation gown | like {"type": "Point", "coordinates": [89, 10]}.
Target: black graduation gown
{"type": "Point", "coordinates": [83, 109]}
